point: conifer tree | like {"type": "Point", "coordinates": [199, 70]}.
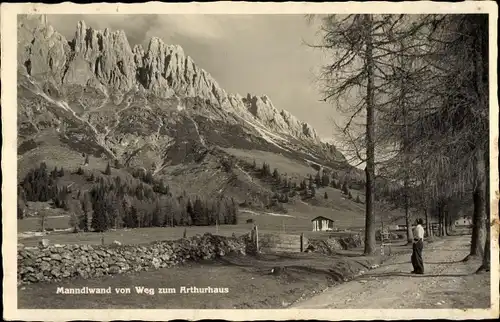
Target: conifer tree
{"type": "Point", "coordinates": [198, 213]}
{"type": "Point", "coordinates": [317, 179]}
{"type": "Point", "coordinates": [108, 170]}
{"type": "Point", "coordinates": [325, 180]}
{"type": "Point", "coordinates": [53, 173]}
{"type": "Point", "coordinates": [21, 202]}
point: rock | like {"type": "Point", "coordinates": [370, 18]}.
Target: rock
{"type": "Point", "coordinates": [44, 266]}
{"type": "Point", "coordinates": [67, 255]}
{"type": "Point", "coordinates": [114, 269]}
{"type": "Point", "coordinates": [56, 257]}
{"type": "Point", "coordinates": [117, 243]}
{"type": "Point", "coordinates": [33, 278]}
{"type": "Point", "coordinates": [55, 272]}
{"type": "Point", "coordinates": [156, 263]}
{"type": "Point", "coordinates": [44, 243]}
{"type": "Point", "coordinates": [277, 270]}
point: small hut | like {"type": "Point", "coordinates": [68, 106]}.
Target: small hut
{"type": "Point", "coordinates": [321, 223]}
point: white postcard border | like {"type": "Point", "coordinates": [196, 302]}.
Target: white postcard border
{"type": "Point", "coordinates": [9, 152]}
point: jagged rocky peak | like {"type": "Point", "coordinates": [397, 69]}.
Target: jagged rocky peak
{"type": "Point", "coordinates": [262, 108]}
{"type": "Point", "coordinates": [107, 54]}
{"type": "Point", "coordinates": [40, 49]}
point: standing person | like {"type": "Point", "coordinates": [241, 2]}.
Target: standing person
{"type": "Point", "coordinates": [418, 244]}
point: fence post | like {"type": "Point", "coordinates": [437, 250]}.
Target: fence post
{"type": "Point", "coordinates": [301, 242]}
{"type": "Point", "coordinates": [257, 238]}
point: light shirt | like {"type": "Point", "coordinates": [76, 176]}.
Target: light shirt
{"type": "Point", "coordinates": [418, 232]}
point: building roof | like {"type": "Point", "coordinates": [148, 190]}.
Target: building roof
{"type": "Point", "coordinates": [321, 217]}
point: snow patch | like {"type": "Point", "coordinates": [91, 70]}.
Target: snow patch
{"type": "Point", "coordinates": [266, 135]}
{"type": "Point", "coordinates": [312, 156]}
{"type": "Point", "coordinates": [266, 213]}
{"type": "Point", "coordinates": [316, 163]}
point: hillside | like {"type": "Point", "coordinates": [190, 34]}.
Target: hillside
{"type": "Point", "coordinates": [93, 101]}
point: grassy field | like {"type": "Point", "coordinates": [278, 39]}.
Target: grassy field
{"type": "Point", "coordinates": [148, 235]}
{"type": "Point", "coordinates": [346, 214]}
{"type": "Point", "coordinates": [292, 168]}
{"type": "Point", "coordinates": [33, 223]}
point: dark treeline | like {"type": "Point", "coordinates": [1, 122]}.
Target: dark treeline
{"type": "Point", "coordinates": [113, 202]}
{"type": "Point", "coordinates": [287, 188]}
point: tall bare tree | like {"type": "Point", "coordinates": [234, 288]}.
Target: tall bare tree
{"type": "Point", "coordinates": [461, 55]}
{"type": "Point", "coordinates": [447, 113]}
{"type": "Point", "coordinates": [361, 47]}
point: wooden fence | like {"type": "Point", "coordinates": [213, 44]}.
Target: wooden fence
{"type": "Point", "coordinates": [278, 242]}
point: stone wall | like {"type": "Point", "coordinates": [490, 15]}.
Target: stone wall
{"type": "Point", "coordinates": [333, 244]}
{"type": "Point", "coordinates": [54, 263]}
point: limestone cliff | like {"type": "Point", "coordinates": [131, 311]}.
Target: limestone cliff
{"type": "Point", "coordinates": [104, 61]}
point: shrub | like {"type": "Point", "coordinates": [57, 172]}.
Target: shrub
{"type": "Point", "coordinates": [228, 164]}
{"type": "Point", "coordinates": [345, 188]}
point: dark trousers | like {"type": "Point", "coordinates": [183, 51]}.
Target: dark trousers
{"type": "Point", "coordinates": [416, 257]}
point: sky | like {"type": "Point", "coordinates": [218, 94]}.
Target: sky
{"type": "Point", "coordinates": [257, 54]}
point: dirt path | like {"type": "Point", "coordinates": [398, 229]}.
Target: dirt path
{"type": "Point", "coordinates": [447, 283]}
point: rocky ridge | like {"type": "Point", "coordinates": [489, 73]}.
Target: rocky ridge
{"type": "Point", "coordinates": [104, 60]}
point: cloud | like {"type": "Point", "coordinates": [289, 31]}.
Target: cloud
{"type": "Point", "coordinates": [207, 27]}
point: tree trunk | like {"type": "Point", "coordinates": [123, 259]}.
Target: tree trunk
{"type": "Point", "coordinates": [441, 220]}
{"type": "Point", "coordinates": [370, 243]}
{"type": "Point", "coordinates": [483, 81]}
{"type": "Point", "coordinates": [409, 233]}
{"type": "Point", "coordinates": [402, 101]}
{"type": "Point", "coordinates": [450, 222]}
{"type": "Point", "coordinates": [485, 266]}
{"type": "Point", "coordinates": [427, 224]}
{"type": "Point", "coordinates": [478, 219]}
{"type": "Point", "coordinates": [446, 222]}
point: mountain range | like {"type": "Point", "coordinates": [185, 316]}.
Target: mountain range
{"type": "Point", "coordinates": [150, 108]}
